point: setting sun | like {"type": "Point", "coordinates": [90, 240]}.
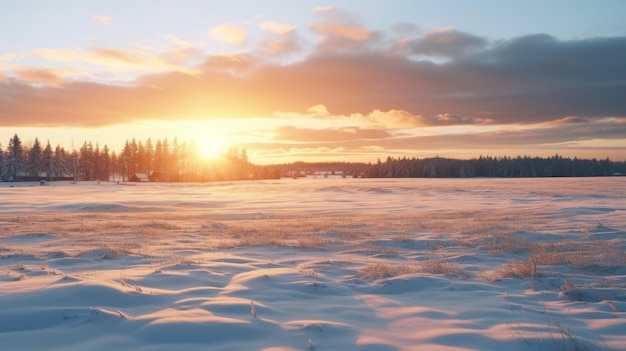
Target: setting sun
{"type": "Point", "coordinates": [212, 147]}
{"type": "Point", "coordinates": [316, 84]}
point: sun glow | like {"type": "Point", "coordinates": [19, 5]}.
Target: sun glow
{"type": "Point", "coordinates": [212, 147]}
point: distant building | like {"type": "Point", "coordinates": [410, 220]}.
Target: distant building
{"type": "Point", "coordinates": [139, 177]}
{"type": "Point", "coordinates": [157, 176]}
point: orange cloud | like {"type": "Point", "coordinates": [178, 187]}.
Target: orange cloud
{"type": "Point", "coordinates": [339, 31]}
{"type": "Point", "coordinates": [279, 47]}
{"type": "Point", "coordinates": [56, 54]}
{"type": "Point", "coordinates": [380, 90]}
{"type": "Point", "coordinates": [283, 43]}
{"type": "Point", "coordinates": [102, 20]}
{"type": "Point", "coordinates": [228, 63]}
{"type": "Point", "coordinates": [571, 120]}
{"type": "Point", "coordinates": [47, 76]}
{"type": "Point", "coordinates": [144, 59]}
{"type": "Point", "coordinates": [183, 52]}
{"type": "Point", "coordinates": [391, 119]}
{"type": "Point", "coordinates": [328, 134]}
{"type": "Point", "coordinates": [8, 57]}
{"type": "Point", "coordinates": [116, 57]}
{"type": "Point", "coordinates": [316, 111]}
{"type": "Point", "coordinates": [278, 28]}
{"type": "Point", "coordinates": [229, 32]}
{"type": "Point", "coordinates": [342, 31]}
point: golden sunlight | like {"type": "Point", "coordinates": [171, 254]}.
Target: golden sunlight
{"type": "Point", "coordinates": [212, 147]}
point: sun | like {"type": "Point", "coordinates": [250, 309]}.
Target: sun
{"type": "Point", "coordinates": [213, 147]}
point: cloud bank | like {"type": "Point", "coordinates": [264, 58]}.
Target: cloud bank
{"type": "Point", "coordinates": [381, 81]}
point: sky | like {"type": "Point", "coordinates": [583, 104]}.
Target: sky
{"type": "Point", "coordinates": [352, 80]}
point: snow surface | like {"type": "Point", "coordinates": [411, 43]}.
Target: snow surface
{"type": "Point", "coordinates": [315, 264]}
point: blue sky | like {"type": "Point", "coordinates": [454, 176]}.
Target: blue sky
{"type": "Point", "coordinates": [313, 80]}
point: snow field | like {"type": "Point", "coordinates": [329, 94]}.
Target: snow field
{"type": "Point", "coordinates": [322, 264]}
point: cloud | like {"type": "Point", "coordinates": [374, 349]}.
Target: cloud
{"type": "Point", "coordinates": [506, 140]}
{"type": "Point", "coordinates": [339, 31]}
{"type": "Point", "coordinates": [391, 119]}
{"type": "Point", "coordinates": [452, 119]}
{"type": "Point", "coordinates": [230, 33]}
{"type": "Point", "coordinates": [405, 28]}
{"type": "Point", "coordinates": [232, 64]}
{"type": "Point", "coordinates": [282, 43]}
{"type": "Point", "coordinates": [334, 30]}
{"type": "Point", "coordinates": [8, 57]}
{"type": "Point", "coordinates": [290, 133]}
{"type": "Point", "coordinates": [182, 52]}
{"type": "Point", "coordinates": [116, 57]}
{"type": "Point", "coordinates": [142, 59]}
{"type": "Point", "coordinates": [316, 111]}
{"type": "Point", "coordinates": [445, 42]}
{"type": "Point", "coordinates": [102, 20]}
{"type": "Point", "coordinates": [278, 28]}
{"type": "Point", "coordinates": [527, 80]}
{"type": "Point", "coordinates": [56, 54]}
{"type": "Point", "coordinates": [279, 47]}
{"type": "Point", "coordinates": [571, 120]}
{"type": "Point", "coordinates": [104, 56]}
{"type": "Point", "coordinates": [403, 119]}
{"type": "Point", "coordinates": [47, 76]}
{"type": "Point", "coordinates": [559, 78]}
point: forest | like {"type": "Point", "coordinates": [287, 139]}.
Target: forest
{"type": "Point", "coordinates": [437, 167]}
{"type": "Point", "coordinates": [157, 161]}
{"type": "Point", "coordinates": [483, 166]}
{"type": "Point", "coordinates": [176, 161]}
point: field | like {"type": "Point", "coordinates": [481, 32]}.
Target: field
{"type": "Point", "coordinates": [315, 264]}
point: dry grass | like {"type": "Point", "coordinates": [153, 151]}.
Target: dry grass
{"type": "Point", "coordinates": [312, 242]}
{"type": "Point", "coordinates": [375, 271]}
{"type": "Point", "coordinates": [439, 266]}
{"type": "Point", "coordinates": [576, 254]}
{"type": "Point", "coordinates": [416, 233]}
{"type": "Point", "coordinates": [513, 269]}
{"type": "Point", "coordinates": [593, 253]}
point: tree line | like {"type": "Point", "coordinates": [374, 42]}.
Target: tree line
{"type": "Point", "coordinates": [159, 161]}
{"type": "Point", "coordinates": [483, 166]}
{"type": "Point", "coordinates": [437, 167]}
{"type": "Point", "coordinates": [179, 162]}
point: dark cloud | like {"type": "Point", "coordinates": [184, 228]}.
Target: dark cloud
{"type": "Point", "coordinates": [289, 133]}
{"type": "Point", "coordinates": [547, 136]}
{"type": "Point", "coordinates": [522, 80]}
{"type": "Point", "coordinates": [445, 42]}
{"type": "Point", "coordinates": [404, 28]}
{"type": "Point", "coordinates": [551, 138]}
{"type": "Point", "coordinates": [544, 78]}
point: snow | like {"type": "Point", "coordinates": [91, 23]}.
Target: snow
{"type": "Point", "coordinates": [315, 264]}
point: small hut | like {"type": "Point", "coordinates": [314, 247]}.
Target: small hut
{"type": "Point", "coordinates": [139, 177]}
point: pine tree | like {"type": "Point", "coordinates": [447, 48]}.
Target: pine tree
{"type": "Point", "coordinates": [60, 162]}
{"type": "Point", "coordinates": [47, 161]}
{"type": "Point", "coordinates": [96, 163]}
{"type": "Point", "coordinates": [125, 160]}
{"type": "Point", "coordinates": [105, 164]}
{"type": "Point", "coordinates": [141, 158]}
{"type": "Point", "coordinates": [15, 159]}
{"type": "Point", "coordinates": [149, 155]}
{"type": "Point", "coordinates": [86, 161]}
{"type": "Point", "coordinates": [115, 169]}
{"type": "Point", "coordinates": [34, 162]}
{"type": "Point", "coordinates": [2, 166]}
